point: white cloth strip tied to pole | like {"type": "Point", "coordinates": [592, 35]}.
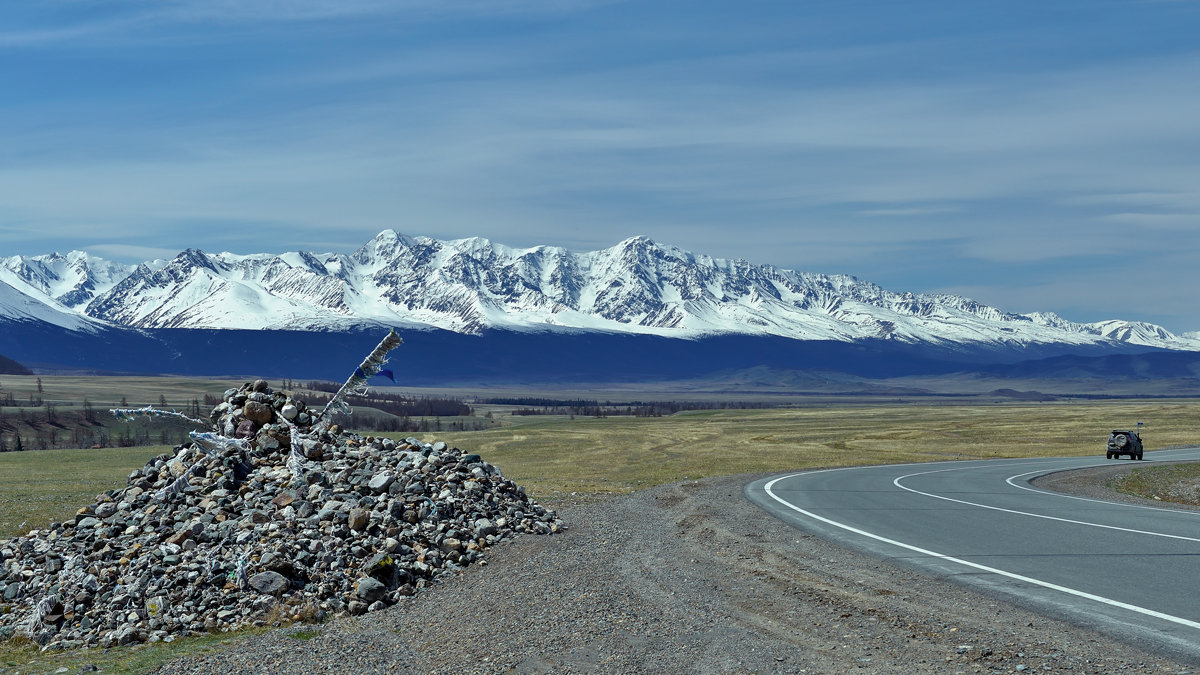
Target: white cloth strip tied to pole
{"type": "Point", "coordinates": [356, 384]}
{"type": "Point", "coordinates": [295, 460]}
{"type": "Point", "coordinates": [182, 483]}
{"type": "Point", "coordinates": [129, 414]}
{"type": "Point", "coordinates": [241, 578]}
{"type": "Point", "coordinates": [210, 444]}
{"type": "Point", "coordinates": [40, 611]}
{"type": "Point", "coordinates": [72, 575]}
{"type": "Point", "coordinates": [214, 444]}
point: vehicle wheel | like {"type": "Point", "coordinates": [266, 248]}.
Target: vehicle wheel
{"type": "Point", "coordinates": [1139, 456]}
{"type": "Point", "coordinates": [1108, 455]}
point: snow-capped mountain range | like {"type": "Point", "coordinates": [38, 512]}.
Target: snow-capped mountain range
{"type": "Point", "coordinates": [471, 285]}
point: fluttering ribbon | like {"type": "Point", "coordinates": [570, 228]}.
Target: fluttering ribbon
{"type": "Point", "coordinates": [240, 577]}
{"type": "Point", "coordinates": [180, 484]}
{"type": "Point", "coordinates": [356, 383]}
{"type": "Point", "coordinates": [295, 460]}
{"type": "Point", "coordinates": [130, 414]}
{"type": "Point", "coordinates": [43, 607]}
{"type": "Point", "coordinates": [213, 444]}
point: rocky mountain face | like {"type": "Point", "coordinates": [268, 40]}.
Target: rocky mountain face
{"type": "Point", "coordinates": [472, 285]}
{"type": "Point", "coordinates": [70, 280]}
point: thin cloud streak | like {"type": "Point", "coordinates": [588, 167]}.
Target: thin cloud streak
{"type": "Point", "coordinates": [836, 145]}
{"type": "Point", "coordinates": [135, 19]}
{"type": "Point", "coordinates": [131, 252]}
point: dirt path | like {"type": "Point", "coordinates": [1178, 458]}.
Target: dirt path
{"type": "Point", "coordinates": [686, 578]}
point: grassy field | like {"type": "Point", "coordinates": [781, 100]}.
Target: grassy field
{"type": "Point", "coordinates": [40, 487]}
{"type": "Point", "coordinates": [108, 391]}
{"type": "Point", "coordinates": [555, 457]}
{"type": "Point", "coordinates": [25, 657]}
{"type": "Point", "coordinates": [1179, 483]}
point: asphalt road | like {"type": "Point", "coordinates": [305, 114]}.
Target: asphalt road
{"type": "Point", "coordinates": [1130, 571]}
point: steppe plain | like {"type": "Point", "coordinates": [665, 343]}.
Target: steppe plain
{"type": "Point", "coordinates": [666, 567]}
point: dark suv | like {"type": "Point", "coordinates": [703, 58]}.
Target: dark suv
{"type": "Point", "coordinates": [1124, 442]}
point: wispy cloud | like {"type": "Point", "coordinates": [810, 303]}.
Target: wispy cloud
{"type": "Point", "coordinates": [1170, 221]}
{"type": "Point", "coordinates": [310, 10]}
{"type": "Point", "coordinates": [69, 21]}
{"type": "Point", "coordinates": [909, 212]}
{"type": "Point", "coordinates": [130, 253]}
{"type": "Point", "coordinates": [800, 137]}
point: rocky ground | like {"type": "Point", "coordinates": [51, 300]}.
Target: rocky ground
{"type": "Point", "coordinates": [687, 578]}
{"type": "Point", "coordinates": [278, 515]}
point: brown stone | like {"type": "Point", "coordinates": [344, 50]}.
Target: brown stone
{"type": "Point", "coordinates": [260, 413]}
{"type": "Point", "coordinates": [358, 519]}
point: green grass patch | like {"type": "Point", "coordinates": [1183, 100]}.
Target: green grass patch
{"type": "Point", "coordinates": [45, 486]}
{"type": "Point", "coordinates": [1178, 483]}
{"type": "Point", "coordinates": [22, 655]}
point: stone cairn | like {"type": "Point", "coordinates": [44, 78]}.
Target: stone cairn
{"type": "Point", "coordinates": [275, 516]}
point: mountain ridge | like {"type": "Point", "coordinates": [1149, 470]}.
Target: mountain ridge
{"type": "Point", "coordinates": [473, 285]}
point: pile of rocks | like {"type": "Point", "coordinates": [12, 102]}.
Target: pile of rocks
{"type": "Point", "coordinates": [275, 517]}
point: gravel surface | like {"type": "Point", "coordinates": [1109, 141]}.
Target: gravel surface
{"type": "Point", "coordinates": [1091, 483]}
{"type": "Point", "coordinates": [686, 578]}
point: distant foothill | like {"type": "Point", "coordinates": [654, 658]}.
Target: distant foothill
{"type": "Point", "coordinates": [10, 367]}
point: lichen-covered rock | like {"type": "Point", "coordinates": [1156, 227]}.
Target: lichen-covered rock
{"type": "Point", "coordinates": [217, 536]}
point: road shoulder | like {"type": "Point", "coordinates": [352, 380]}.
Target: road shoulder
{"type": "Point", "coordinates": [692, 578]}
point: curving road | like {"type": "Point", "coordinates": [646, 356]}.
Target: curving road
{"type": "Point", "coordinates": [1130, 571]}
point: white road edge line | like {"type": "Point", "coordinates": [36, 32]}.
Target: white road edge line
{"type": "Point", "coordinates": [897, 483]}
{"type": "Point", "coordinates": [1010, 480]}
{"type": "Point", "coordinates": [984, 568]}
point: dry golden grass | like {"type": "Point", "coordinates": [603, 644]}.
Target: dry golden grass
{"type": "Point", "coordinates": [107, 391]}
{"type": "Point", "coordinates": [622, 454]}
{"type": "Point", "coordinates": [554, 457]}
{"type": "Point", "coordinates": [1179, 483]}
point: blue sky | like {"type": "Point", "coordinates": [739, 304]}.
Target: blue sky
{"type": "Point", "coordinates": [1031, 155]}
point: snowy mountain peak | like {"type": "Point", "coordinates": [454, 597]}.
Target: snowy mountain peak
{"type": "Point", "coordinates": [473, 284]}
{"type": "Point", "coordinates": [70, 281]}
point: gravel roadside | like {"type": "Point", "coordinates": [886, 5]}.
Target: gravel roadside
{"type": "Point", "coordinates": [686, 578]}
{"type": "Point", "coordinates": [1091, 483]}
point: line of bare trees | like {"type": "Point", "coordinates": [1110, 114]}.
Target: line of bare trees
{"type": "Point", "coordinates": [52, 426]}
